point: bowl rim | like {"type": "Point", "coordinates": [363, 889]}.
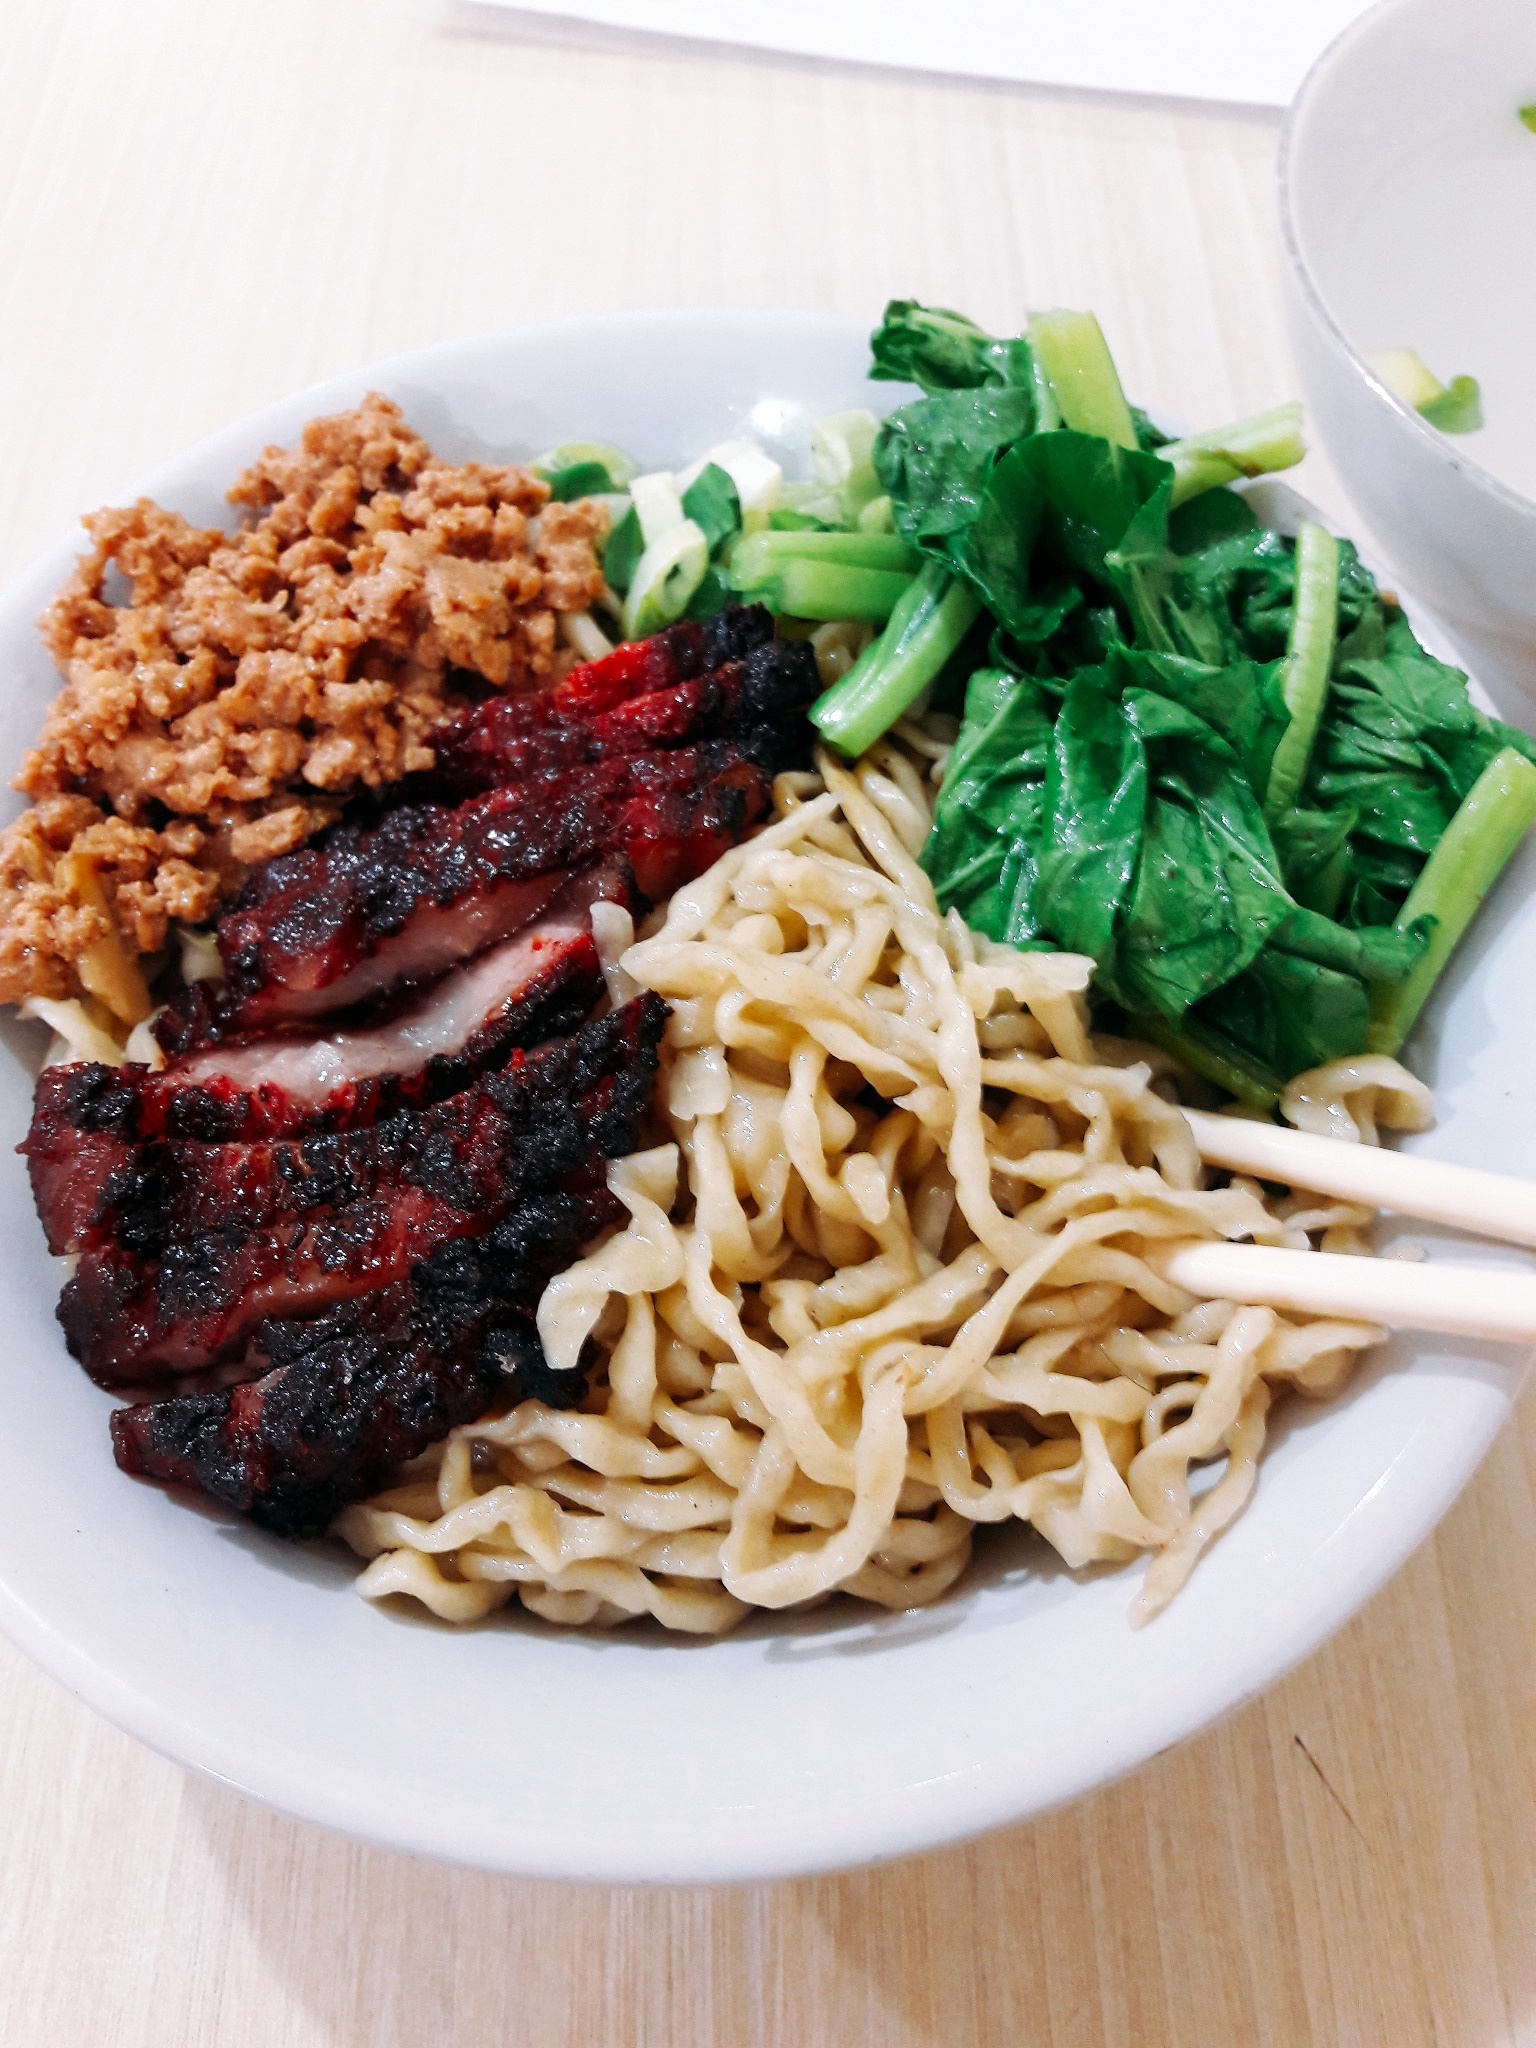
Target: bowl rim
{"type": "Point", "coordinates": [1004, 1786]}
{"type": "Point", "coordinates": [1429, 438]}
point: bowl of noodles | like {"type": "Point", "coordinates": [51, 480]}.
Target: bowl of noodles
{"type": "Point", "coordinates": [885, 1319]}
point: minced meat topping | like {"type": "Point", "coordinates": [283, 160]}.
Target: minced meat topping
{"type": "Point", "coordinates": [230, 693]}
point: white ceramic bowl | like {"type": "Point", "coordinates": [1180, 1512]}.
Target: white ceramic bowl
{"type": "Point", "coordinates": [1408, 204]}
{"type": "Point", "coordinates": [800, 1743]}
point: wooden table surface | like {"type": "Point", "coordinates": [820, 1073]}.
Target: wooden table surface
{"type": "Point", "coordinates": [204, 205]}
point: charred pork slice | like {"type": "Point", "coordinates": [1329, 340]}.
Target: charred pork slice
{"type": "Point", "coordinates": [344, 1399]}
{"type": "Point", "coordinates": [193, 1246]}
{"type": "Point", "coordinates": [88, 1119]}
{"type": "Point", "coordinates": [676, 655]}
{"type": "Point", "coordinates": [342, 922]}
{"type": "Point", "coordinates": [759, 700]}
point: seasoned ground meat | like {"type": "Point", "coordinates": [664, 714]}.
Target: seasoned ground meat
{"type": "Point", "coordinates": [224, 694]}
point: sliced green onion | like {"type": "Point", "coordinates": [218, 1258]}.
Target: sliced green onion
{"type": "Point", "coordinates": [759, 480]}
{"type": "Point", "coordinates": [1406, 375]}
{"type": "Point", "coordinates": [622, 551]}
{"type": "Point", "coordinates": [1071, 350]}
{"type": "Point", "coordinates": [658, 504]}
{"type": "Point", "coordinates": [577, 454]}
{"type": "Point", "coordinates": [581, 631]}
{"type": "Point", "coordinates": [1492, 819]}
{"type": "Point", "coordinates": [935, 613]}
{"type": "Point", "coordinates": [801, 505]}
{"type": "Point", "coordinates": [842, 449]}
{"type": "Point", "coordinates": [1252, 447]}
{"type": "Point", "coordinates": [666, 577]}
{"type": "Point", "coordinates": [1308, 662]}
{"type": "Point", "coordinates": [711, 502]}
{"type": "Point", "coordinates": [712, 595]}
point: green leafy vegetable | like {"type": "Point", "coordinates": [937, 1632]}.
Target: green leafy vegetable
{"type": "Point", "coordinates": [933, 458]}
{"type": "Point", "coordinates": [943, 351]}
{"type": "Point", "coordinates": [990, 815]}
{"type": "Point", "coordinates": [819, 575]}
{"type": "Point", "coordinates": [759, 555]}
{"type": "Point", "coordinates": [1179, 888]}
{"type": "Point", "coordinates": [1214, 1058]}
{"type": "Point", "coordinates": [1212, 757]}
{"type": "Point", "coordinates": [1400, 747]}
{"type": "Point", "coordinates": [804, 588]}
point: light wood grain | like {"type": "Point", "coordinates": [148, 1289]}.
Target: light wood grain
{"type": "Point", "coordinates": [204, 205]}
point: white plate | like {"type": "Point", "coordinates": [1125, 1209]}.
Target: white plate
{"type": "Point", "coordinates": [793, 1746]}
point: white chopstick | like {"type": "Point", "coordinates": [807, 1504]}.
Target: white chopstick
{"type": "Point", "coordinates": [1454, 1301]}
{"type": "Point", "coordinates": [1490, 1204]}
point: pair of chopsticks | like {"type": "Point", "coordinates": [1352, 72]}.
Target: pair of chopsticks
{"type": "Point", "coordinates": [1459, 1301]}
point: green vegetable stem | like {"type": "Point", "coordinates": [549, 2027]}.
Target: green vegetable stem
{"type": "Point", "coordinates": [1308, 661]}
{"type": "Point", "coordinates": [1492, 820]}
{"type": "Point", "coordinates": [931, 618]}
{"type": "Point", "coordinates": [824, 575]}
{"type": "Point", "coordinates": [1251, 447]}
{"type": "Point", "coordinates": [1455, 408]}
{"type": "Point", "coordinates": [1071, 349]}
{"type": "Point", "coordinates": [760, 556]}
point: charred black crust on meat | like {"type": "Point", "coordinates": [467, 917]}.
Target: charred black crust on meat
{"type": "Point", "coordinates": [192, 1240]}
{"type": "Point", "coordinates": [757, 700]}
{"type": "Point", "coordinates": [555, 1001]}
{"type": "Point", "coordinates": [349, 1396]}
{"type": "Point", "coordinates": [308, 924]}
{"type": "Point", "coordinates": [88, 1118]}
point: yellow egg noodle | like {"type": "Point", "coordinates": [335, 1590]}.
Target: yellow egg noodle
{"type": "Point", "coordinates": [888, 1277]}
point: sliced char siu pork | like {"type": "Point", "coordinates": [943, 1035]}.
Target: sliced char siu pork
{"type": "Point", "coordinates": [192, 1246]}
{"type": "Point", "coordinates": [89, 1120]}
{"type": "Point", "coordinates": [664, 778]}
{"type": "Point", "coordinates": [522, 738]}
{"type": "Point", "coordinates": [387, 1127]}
{"type": "Point", "coordinates": [343, 1399]}
{"type": "Point", "coordinates": [318, 932]}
